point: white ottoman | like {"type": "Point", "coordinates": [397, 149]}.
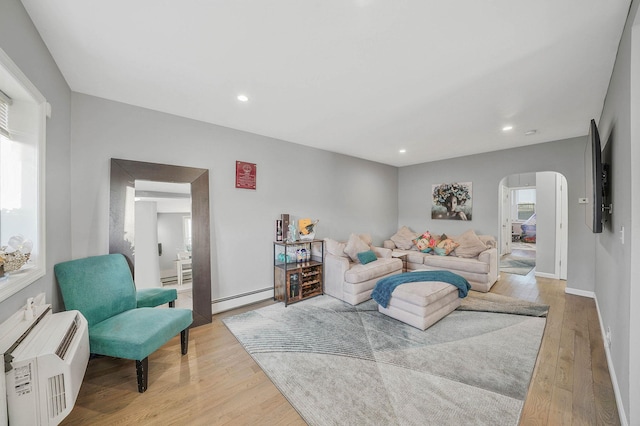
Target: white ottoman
{"type": "Point", "coordinates": [422, 304]}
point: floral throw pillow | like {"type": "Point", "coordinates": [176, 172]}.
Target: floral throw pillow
{"type": "Point", "coordinates": [448, 245]}
{"type": "Point", "coordinates": [425, 242]}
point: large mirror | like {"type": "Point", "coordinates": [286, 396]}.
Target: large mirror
{"type": "Point", "coordinates": [124, 174]}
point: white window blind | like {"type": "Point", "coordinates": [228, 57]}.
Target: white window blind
{"type": "Point", "coordinates": [5, 101]}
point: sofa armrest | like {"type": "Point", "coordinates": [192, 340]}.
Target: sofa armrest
{"type": "Point", "coordinates": [490, 257]}
{"type": "Point", "coordinates": [389, 244]}
{"type": "Point", "coordinates": [334, 269]}
{"type": "Point", "coordinates": [381, 252]}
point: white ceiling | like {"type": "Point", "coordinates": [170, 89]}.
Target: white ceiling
{"type": "Point", "coordinates": [360, 77]}
{"type": "Point", "coordinates": [169, 197]}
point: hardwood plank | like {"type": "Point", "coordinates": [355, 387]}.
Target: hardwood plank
{"type": "Point", "coordinates": [218, 383]}
{"type": "Point", "coordinates": [605, 403]}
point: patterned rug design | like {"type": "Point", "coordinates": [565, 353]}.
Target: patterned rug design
{"type": "Point", "coordinates": [339, 364]}
{"type": "Point", "coordinates": [512, 264]}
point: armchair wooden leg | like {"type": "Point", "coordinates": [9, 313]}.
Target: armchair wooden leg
{"type": "Point", "coordinates": [184, 340]}
{"type": "Point", "coordinates": [142, 370]}
{"type": "Point", "coordinates": [172, 304]}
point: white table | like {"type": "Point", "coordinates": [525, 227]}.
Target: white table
{"type": "Point", "coordinates": [182, 265]}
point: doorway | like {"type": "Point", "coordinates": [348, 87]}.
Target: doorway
{"type": "Point", "coordinates": [533, 218]}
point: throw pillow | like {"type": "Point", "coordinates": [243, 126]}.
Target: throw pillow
{"type": "Point", "coordinates": [469, 245]}
{"type": "Point", "coordinates": [403, 239]}
{"type": "Point", "coordinates": [366, 257]}
{"type": "Point", "coordinates": [448, 245]}
{"type": "Point", "coordinates": [425, 242]}
{"type": "Point", "coordinates": [354, 246]}
{"type": "Point", "coordinates": [489, 241]}
{"type": "Point", "coordinates": [334, 247]}
{"type": "Point", "coordinates": [366, 238]}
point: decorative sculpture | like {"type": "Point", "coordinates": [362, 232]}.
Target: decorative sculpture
{"type": "Point", "coordinates": [307, 229]}
{"type": "Point", "coordinates": [15, 254]}
{"type": "Point", "coordinates": [292, 236]}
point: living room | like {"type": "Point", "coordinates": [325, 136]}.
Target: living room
{"type": "Point", "coordinates": [347, 194]}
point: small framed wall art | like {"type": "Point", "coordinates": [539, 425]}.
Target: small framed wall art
{"type": "Point", "coordinates": [246, 174]}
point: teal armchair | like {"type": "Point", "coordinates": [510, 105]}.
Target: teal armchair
{"type": "Point", "coordinates": [156, 296]}
{"type": "Point", "coordinates": [102, 289]}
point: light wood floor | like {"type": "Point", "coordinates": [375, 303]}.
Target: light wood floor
{"type": "Point", "coordinates": [218, 383]}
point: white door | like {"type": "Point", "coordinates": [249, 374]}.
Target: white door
{"type": "Point", "coordinates": [562, 232]}
{"type": "Point", "coordinates": [505, 218]}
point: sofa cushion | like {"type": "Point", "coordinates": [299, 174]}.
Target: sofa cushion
{"type": "Point", "coordinates": [367, 257]}
{"type": "Point", "coordinates": [416, 256]}
{"type": "Point", "coordinates": [359, 272]}
{"type": "Point", "coordinates": [422, 293]}
{"type": "Point", "coordinates": [334, 247]}
{"type": "Point", "coordinates": [354, 246]}
{"type": "Point", "coordinates": [456, 264]}
{"type": "Point", "coordinates": [426, 318]}
{"type": "Point", "coordinates": [469, 245]}
{"type": "Point", "coordinates": [404, 238]}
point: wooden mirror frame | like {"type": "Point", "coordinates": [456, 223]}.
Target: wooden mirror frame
{"type": "Point", "coordinates": [124, 173]}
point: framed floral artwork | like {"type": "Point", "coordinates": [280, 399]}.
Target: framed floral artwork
{"type": "Point", "coordinates": [452, 201]}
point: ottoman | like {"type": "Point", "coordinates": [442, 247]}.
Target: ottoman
{"type": "Point", "coordinates": [422, 304]}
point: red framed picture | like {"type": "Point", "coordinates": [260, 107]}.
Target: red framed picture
{"type": "Point", "coordinates": [246, 175]}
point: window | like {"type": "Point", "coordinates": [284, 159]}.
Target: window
{"type": "Point", "coordinates": [526, 210]}
{"type": "Point", "coordinates": [22, 139]}
{"type": "Point", "coordinates": [524, 203]}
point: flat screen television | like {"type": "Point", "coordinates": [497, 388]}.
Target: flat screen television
{"type": "Point", "coordinates": [595, 180]}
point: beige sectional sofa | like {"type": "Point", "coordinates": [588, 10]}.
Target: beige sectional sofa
{"type": "Point", "coordinates": [348, 279]}
{"type": "Point", "coordinates": [476, 260]}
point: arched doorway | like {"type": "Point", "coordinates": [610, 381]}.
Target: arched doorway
{"type": "Point", "coordinates": [545, 215]}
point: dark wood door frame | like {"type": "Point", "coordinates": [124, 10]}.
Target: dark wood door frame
{"type": "Point", "coordinates": [123, 176]}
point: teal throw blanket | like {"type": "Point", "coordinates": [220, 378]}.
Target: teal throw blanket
{"type": "Point", "coordinates": [384, 287]}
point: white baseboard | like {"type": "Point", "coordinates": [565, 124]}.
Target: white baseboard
{"type": "Point", "coordinates": [578, 292]}
{"type": "Point", "coordinates": [226, 304]}
{"type": "Point", "coordinates": [612, 371]}
{"type": "Point", "coordinates": [546, 275]}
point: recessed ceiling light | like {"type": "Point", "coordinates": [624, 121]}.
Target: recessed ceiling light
{"type": "Point", "coordinates": [402, 151]}
{"type": "Point", "coordinates": [530, 132]}
{"type": "Point", "coordinates": [243, 98]}
{"type": "Point", "coordinates": [507, 128]}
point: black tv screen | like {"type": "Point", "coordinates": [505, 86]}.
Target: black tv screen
{"type": "Point", "coordinates": [594, 180]}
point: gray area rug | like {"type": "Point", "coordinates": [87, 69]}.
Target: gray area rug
{"type": "Point", "coordinates": [339, 364]}
{"type": "Point", "coordinates": [490, 302]}
{"type": "Point", "coordinates": [517, 265]}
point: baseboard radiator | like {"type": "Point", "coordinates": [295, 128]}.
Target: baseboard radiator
{"type": "Point", "coordinates": [231, 302]}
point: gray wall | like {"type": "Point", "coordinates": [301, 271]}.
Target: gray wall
{"type": "Point", "coordinates": [616, 286]}
{"type": "Point", "coordinates": [346, 194]}
{"type": "Point", "coordinates": [486, 171]}
{"type": "Point", "coordinates": [170, 235]}
{"type": "Point", "coordinates": [20, 40]}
